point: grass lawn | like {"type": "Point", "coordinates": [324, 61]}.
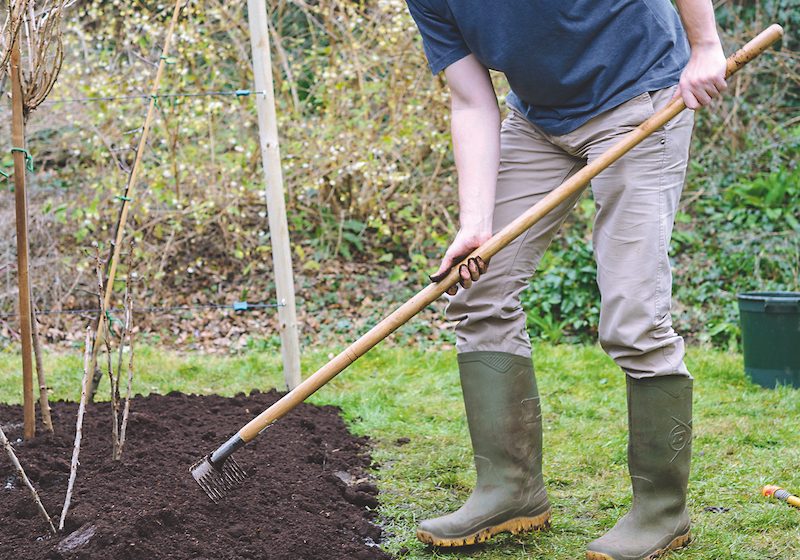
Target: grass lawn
{"type": "Point", "coordinates": [744, 437]}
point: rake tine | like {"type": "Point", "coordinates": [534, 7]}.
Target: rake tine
{"type": "Point", "coordinates": [217, 480]}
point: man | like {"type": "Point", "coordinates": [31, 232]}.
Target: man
{"type": "Point", "coordinates": [582, 73]}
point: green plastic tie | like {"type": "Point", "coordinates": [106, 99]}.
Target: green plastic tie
{"type": "Point", "coordinates": [169, 59]}
{"type": "Point", "coordinates": [123, 198]}
{"type": "Point", "coordinates": [242, 92]}
{"type": "Point", "coordinates": [28, 158]}
{"type": "Point", "coordinates": [4, 174]}
{"type": "Point", "coordinates": [111, 319]}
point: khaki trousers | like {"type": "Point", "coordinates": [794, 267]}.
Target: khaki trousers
{"type": "Point", "coordinates": [636, 201]}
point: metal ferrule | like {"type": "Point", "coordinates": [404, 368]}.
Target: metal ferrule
{"type": "Point", "coordinates": [226, 450]}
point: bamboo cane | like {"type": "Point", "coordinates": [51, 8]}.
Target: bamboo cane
{"type": "Point", "coordinates": [21, 204]}
{"type": "Point", "coordinates": [130, 187]}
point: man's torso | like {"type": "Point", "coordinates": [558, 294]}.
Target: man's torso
{"type": "Point", "coordinates": [566, 61]}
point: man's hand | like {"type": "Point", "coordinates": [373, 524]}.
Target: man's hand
{"type": "Point", "coordinates": [464, 243]}
{"type": "Point", "coordinates": [703, 79]}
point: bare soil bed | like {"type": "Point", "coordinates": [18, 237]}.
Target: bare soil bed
{"type": "Point", "coordinates": [306, 498]}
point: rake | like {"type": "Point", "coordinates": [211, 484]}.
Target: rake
{"type": "Point", "coordinates": [218, 472]}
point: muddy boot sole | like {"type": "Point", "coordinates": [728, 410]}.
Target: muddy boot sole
{"type": "Point", "coordinates": [514, 526]}
{"type": "Point", "coordinates": [678, 542]}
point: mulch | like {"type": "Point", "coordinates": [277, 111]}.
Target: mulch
{"type": "Point", "coordinates": [307, 497]}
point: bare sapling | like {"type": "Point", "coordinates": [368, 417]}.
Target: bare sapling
{"type": "Point", "coordinates": [76, 450]}
{"type": "Point", "coordinates": [129, 329]}
{"type": "Point", "coordinates": [21, 472]}
{"type": "Point", "coordinates": [106, 330]}
{"type": "Point", "coordinates": [114, 380]}
{"type": "Point", "coordinates": [44, 403]}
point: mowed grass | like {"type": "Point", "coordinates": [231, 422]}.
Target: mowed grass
{"type": "Point", "coordinates": [744, 437]}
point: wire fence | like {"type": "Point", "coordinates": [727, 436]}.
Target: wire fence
{"type": "Point", "coordinates": [236, 306]}
{"type": "Point", "coordinates": [171, 95]}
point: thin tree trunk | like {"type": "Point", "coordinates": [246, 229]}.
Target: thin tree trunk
{"type": "Point", "coordinates": [116, 452]}
{"type": "Point", "coordinates": [127, 407]}
{"type": "Point", "coordinates": [44, 403]}
{"type": "Point", "coordinates": [105, 322]}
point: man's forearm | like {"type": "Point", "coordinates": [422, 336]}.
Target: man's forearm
{"type": "Point", "coordinates": [476, 144]}
{"type": "Point", "coordinates": [698, 20]}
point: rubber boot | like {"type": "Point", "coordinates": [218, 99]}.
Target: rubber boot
{"type": "Point", "coordinates": [505, 425]}
{"type": "Point", "coordinates": [659, 453]}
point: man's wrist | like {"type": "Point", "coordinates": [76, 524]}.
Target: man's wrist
{"type": "Point", "coordinates": [473, 229]}
{"type": "Point", "coordinates": [711, 43]}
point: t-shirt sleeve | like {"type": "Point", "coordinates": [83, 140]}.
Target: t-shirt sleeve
{"type": "Point", "coordinates": [441, 37]}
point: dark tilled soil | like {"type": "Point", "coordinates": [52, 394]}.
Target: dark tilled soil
{"type": "Point", "coordinates": [306, 497]}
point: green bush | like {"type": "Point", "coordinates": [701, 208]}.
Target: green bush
{"type": "Point", "coordinates": [745, 238]}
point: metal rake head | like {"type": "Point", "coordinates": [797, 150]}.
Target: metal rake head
{"type": "Point", "coordinates": [217, 480]}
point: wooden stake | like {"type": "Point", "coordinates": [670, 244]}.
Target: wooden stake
{"type": "Point", "coordinates": [276, 206]}
{"type": "Point", "coordinates": [23, 281]}
{"type": "Point", "coordinates": [76, 449]}
{"type": "Point", "coordinates": [21, 472]}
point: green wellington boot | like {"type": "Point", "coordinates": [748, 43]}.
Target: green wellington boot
{"type": "Point", "coordinates": [659, 452]}
{"type": "Point", "coordinates": [505, 425]}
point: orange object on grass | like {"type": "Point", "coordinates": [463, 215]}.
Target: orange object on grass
{"type": "Point", "coordinates": [772, 491]}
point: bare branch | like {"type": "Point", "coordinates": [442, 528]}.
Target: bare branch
{"type": "Point", "coordinates": [73, 469]}
{"type": "Point", "coordinates": [21, 472]}
{"type": "Point", "coordinates": [105, 320]}
{"type": "Point", "coordinates": [129, 319]}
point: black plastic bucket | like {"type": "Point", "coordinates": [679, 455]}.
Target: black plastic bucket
{"type": "Point", "coordinates": [771, 337]}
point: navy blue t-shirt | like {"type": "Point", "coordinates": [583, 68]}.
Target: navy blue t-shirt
{"type": "Point", "coordinates": [565, 60]}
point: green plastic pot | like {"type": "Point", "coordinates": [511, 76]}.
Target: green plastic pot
{"type": "Point", "coordinates": [771, 337]}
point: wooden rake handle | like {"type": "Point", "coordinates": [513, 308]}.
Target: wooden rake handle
{"type": "Point", "coordinates": [502, 238]}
